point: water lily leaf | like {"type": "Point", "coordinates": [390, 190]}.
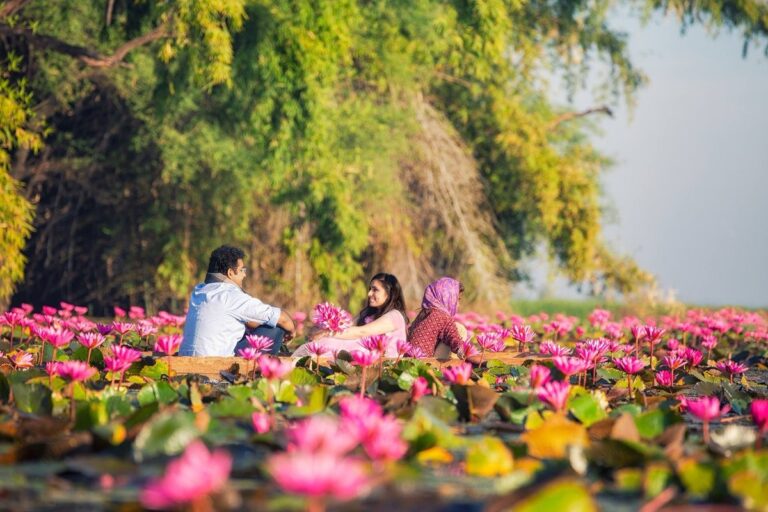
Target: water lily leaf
{"type": "Point", "coordinates": [611, 374]}
{"type": "Point", "coordinates": [159, 391]}
{"type": "Point", "coordinates": [625, 429]}
{"type": "Point", "coordinates": [314, 403]}
{"type": "Point", "coordinates": [738, 399]}
{"type": "Point", "coordinates": [706, 377]}
{"type": "Point", "coordinates": [32, 398]}
{"type": "Point", "coordinates": [405, 381]}
{"type": "Point", "coordinates": [474, 402]}
{"type": "Point", "coordinates": [229, 407]}
{"type": "Point", "coordinates": [241, 392]}
{"type": "Point", "coordinates": [587, 409]}
{"type": "Point", "coordinates": [434, 455]}
{"type": "Point", "coordinates": [563, 495]}
{"type": "Point", "coordinates": [652, 423]}
{"type": "Point", "coordinates": [752, 492]}
{"type": "Point", "coordinates": [439, 408]}
{"type": "Point", "coordinates": [552, 438]}
{"type": "Point", "coordinates": [632, 409]}
{"type": "Point", "coordinates": [698, 478]}
{"type": "Point", "coordinates": [168, 433]}
{"type": "Point", "coordinates": [488, 457]}
{"type": "Point", "coordinates": [628, 479]}
{"type": "Point", "coordinates": [155, 371]}
{"type": "Point", "coordinates": [615, 454]}
{"type": "Point", "coordinates": [303, 377]}
{"type": "Point", "coordinates": [657, 478]}
{"type": "Point", "coordinates": [425, 430]}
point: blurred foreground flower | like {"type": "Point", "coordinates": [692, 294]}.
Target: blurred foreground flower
{"type": "Point", "coordinates": [706, 408]}
{"type": "Point", "coordinates": [555, 394]}
{"type": "Point", "coordinates": [331, 318]}
{"type": "Point", "coordinates": [190, 478]}
{"type": "Point", "coordinates": [458, 374]}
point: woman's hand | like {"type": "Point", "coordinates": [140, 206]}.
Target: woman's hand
{"type": "Point", "coordinates": [320, 334]}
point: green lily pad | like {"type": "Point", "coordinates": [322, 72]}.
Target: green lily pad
{"type": "Point", "coordinates": [563, 495]}
{"type": "Point", "coordinates": [168, 433]}
{"type": "Point", "coordinates": [587, 408]}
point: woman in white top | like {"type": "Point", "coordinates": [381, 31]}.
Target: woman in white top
{"type": "Point", "coordinates": [383, 313]}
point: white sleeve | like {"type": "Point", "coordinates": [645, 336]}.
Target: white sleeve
{"type": "Point", "coordinates": [251, 309]}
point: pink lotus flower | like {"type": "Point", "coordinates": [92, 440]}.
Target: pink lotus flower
{"type": "Point", "coordinates": [419, 388]}
{"type": "Point", "coordinates": [168, 344]}
{"type": "Point", "coordinates": [759, 410]}
{"type": "Point", "coordinates": [319, 475]}
{"type": "Point", "coordinates": [706, 408]}
{"type": "Point", "coordinates": [730, 368]}
{"type": "Point", "coordinates": [709, 342]}
{"type": "Point", "coordinates": [364, 358]}
{"type": "Point", "coordinates": [555, 394]}
{"type": "Point", "coordinates": [115, 365]}
{"type": "Point", "coordinates": [126, 354]}
{"type": "Point", "coordinates": [377, 343]}
{"type": "Point", "coordinates": [49, 310]}
{"type": "Point", "coordinates": [20, 359]}
{"type": "Point", "coordinates": [145, 329]}
{"type": "Point", "coordinates": [262, 422]}
{"type": "Point", "coordinates": [403, 348]}
{"type": "Point", "coordinates": [490, 341]}
{"type": "Point", "coordinates": [272, 368]}
{"type": "Point", "coordinates": [90, 340]}
{"type": "Point", "coordinates": [119, 312]}
{"type": "Point", "coordinates": [321, 434]}
{"type": "Point", "coordinates": [653, 333]}
{"type": "Point", "coordinates": [57, 336]}
{"type": "Point", "coordinates": [259, 343]}
{"type": "Point", "coordinates": [52, 368]}
{"type": "Point", "coordinates": [81, 310]}
{"type": "Point", "coordinates": [122, 328]}
{"type": "Point", "coordinates": [522, 334]}
{"type": "Point", "coordinates": [381, 439]}
{"type": "Point", "coordinates": [332, 318]}
{"type": "Point", "coordinates": [665, 378]}
{"type": "Point", "coordinates": [673, 362]}
{"type": "Point", "coordinates": [629, 365]}
{"type": "Point", "coordinates": [692, 356]}
{"type": "Point", "coordinates": [359, 407]}
{"type": "Point", "coordinates": [104, 329]}
{"type": "Point", "coordinates": [569, 366]}
{"type": "Point", "coordinates": [136, 313]}
{"type": "Point", "coordinates": [417, 352]}
{"type": "Point", "coordinates": [540, 375]}
{"type": "Point", "coordinates": [553, 349]}
{"type": "Point", "coordinates": [458, 374]}
{"type": "Point", "coordinates": [189, 478]}
{"type": "Point", "coordinates": [75, 371]}
{"type": "Point", "coordinates": [598, 317]}
{"type": "Point", "coordinates": [468, 349]}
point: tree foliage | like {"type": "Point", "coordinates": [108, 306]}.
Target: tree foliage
{"type": "Point", "coordinates": [331, 139]}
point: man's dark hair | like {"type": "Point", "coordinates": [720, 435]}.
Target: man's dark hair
{"type": "Point", "coordinates": [224, 258]}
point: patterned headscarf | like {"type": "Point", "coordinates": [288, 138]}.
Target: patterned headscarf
{"type": "Point", "coordinates": [442, 294]}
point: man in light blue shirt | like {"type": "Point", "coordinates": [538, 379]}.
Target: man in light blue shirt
{"type": "Point", "coordinates": [221, 313]}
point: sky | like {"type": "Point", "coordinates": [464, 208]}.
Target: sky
{"type": "Point", "coordinates": [690, 181]}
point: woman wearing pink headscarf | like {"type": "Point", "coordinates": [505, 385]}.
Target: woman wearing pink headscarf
{"type": "Point", "coordinates": [435, 323]}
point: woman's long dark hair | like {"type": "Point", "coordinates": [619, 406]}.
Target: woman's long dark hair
{"type": "Point", "coordinates": [395, 299]}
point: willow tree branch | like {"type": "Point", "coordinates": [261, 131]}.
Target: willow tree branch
{"type": "Point", "coordinates": [573, 115]}
{"type": "Point", "coordinates": [11, 6]}
{"type": "Point", "coordinates": [88, 56]}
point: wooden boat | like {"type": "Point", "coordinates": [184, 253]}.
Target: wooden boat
{"type": "Point", "coordinates": [212, 367]}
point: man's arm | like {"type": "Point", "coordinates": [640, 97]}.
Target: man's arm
{"type": "Point", "coordinates": [286, 322]}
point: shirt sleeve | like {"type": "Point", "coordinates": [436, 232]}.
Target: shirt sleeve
{"type": "Point", "coordinates": [252, 309]}
{"type": "Point", "coordinates": [450, 336]}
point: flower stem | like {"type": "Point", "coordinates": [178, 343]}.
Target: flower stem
{"type": "Point", "coordinates": [362, 383]}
